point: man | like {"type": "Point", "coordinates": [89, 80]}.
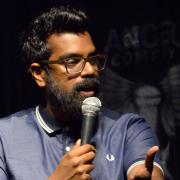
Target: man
{"type": "Point", "coordinates": [44, 142]}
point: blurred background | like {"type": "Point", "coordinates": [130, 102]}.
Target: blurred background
{"type": "Point", "coordinates": [143, 73]}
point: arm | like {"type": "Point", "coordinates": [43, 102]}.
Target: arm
{"type": "Point", "coordinates": [146, 170]}
{"type": "Point", "coordinates": [76, 164]}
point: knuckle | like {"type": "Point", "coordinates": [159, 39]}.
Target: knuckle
{"type": "Point", "coordinates": [75, 162]}
{"type": "Point", "coordinates": [91, 166]}
{"type": "Point", "coordinates": [64, 163]}
{"type": "Point", "coordinates": [90, 147]}
{"type": "Point", "coordinates": [80, 170]}
{"type": "Point", "coordinates": [70, 159]}
{"type": "Point", "coordinates": [93, 153]}
{"type": "Point", "coordinates": [85, 177]}
{"type": "Point", "coordinates": [70, 154]}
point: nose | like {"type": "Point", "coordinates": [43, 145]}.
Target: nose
{"type": "Point", "coordinates": [89, 69]}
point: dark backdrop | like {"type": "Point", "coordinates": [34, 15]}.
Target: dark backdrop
{"type": "Point", "coordinates": [143, 72]}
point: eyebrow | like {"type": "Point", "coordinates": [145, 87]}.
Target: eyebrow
{"type": "Point", "coordinates": [70, 55]}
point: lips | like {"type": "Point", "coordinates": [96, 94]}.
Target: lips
{"type": "Point", "coordinates": [89, 87]}
{"type": "Point", "coordinates": [86, 93]}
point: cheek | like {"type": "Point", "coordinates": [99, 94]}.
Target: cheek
{"type": "Point", "coordinates": [65, 83]}
{"type": "Point", "coordinates": [59, 75]}
{"type": "Point", "coordinates": [63, 80]}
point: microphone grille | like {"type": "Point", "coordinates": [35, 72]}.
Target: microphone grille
{"type": "Point", "coordinates": [91, 105]}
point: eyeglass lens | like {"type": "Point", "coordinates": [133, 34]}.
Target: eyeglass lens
{"type": "Point", "coordinates": [76, 66]}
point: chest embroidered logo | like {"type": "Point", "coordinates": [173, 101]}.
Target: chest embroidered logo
{"type": "Point", "coordinates": [110, 157]}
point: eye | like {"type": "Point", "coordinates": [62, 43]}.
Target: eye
{"type": "Point", "coordinates": [73, 61]}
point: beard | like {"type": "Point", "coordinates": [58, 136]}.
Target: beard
{"type": "Point", "coordinates": [70, 102]}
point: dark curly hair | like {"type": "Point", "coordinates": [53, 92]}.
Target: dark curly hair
{"type": "Point", "coordinates": [33, 41]}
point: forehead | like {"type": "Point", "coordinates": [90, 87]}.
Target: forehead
{"type": "Point", "coordinates": [80, 43]}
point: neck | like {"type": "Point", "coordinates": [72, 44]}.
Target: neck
{"type": "Point", "coordinates": [67, 119]}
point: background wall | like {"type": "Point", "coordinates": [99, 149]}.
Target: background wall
{"type": "Point", "coordinates": [143, 72]}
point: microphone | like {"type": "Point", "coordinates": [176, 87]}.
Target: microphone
{"type": "Point", "coordinates": [90, 108]}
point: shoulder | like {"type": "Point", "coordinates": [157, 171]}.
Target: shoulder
{"type": "Point", "coordinates": [120, 119]}
{"type": "Point", "coordinates": [129, 125]}
{"type": "Point", "coordinates": [17, 121]}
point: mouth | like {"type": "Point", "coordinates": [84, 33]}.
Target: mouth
{"type": "Point", "coordinates": [88, 88]}
{"type": "Point", "coordinates": [87, 92]}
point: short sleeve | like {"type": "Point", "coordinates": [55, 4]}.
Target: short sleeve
{"type": "Point", "coordinates": [140, 137]}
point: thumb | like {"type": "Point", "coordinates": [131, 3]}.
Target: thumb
{"type": "Point", "coordinates": [78, 142]}
{"type": "Point", "coordinates": [150, 158]}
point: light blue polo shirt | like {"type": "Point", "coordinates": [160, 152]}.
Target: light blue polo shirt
{"type": "Point", "coordinates": [32, 144]}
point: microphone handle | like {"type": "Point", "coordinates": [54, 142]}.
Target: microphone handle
{"type": "Point", "coordinates": [88, 124]}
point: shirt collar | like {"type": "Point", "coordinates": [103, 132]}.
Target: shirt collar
{"type": "Point", "coordinates": [48, 123]}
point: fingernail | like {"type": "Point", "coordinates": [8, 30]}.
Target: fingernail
{"type": "Point", "coordinates": [78, 142]}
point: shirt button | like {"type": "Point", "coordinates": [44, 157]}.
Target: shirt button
{"type": "Point", "coordinates": [68, 148]}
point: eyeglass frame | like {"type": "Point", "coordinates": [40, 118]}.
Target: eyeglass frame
{"type": "Point", "coordinates": [64, 61]}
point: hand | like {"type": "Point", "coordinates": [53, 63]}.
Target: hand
{"type": "Point", "coordinates": [76, 164]}
{"type": "Point", "coordinates": [147, 171]}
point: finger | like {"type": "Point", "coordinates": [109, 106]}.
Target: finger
{"type": "Point", "coordinates": [79, 160]}
{"type": "Point", "coordinates": [76, 145]}
{"type": "Point", "coordinates": [84, 169]}
{"type": "Point", "coordinates": [150, 157]}
{"type": "Point", "coordinates": [78, 142]}
{"type": "Point", "coordinates": [78, 150]}
{"type": "Point", "coordinates": [86, 176]}
{"type": "Point", "coordinates": [87, 158]}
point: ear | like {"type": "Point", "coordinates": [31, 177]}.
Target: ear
{"type": "Point", "coordinates": [38, 74]}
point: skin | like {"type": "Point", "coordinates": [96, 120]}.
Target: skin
{"type": "Point", "coordinates": [76, 164]}
{"type": "Point", "coordinates": [147, 171]}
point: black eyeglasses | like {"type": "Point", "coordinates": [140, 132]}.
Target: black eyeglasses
{"type": "Point", "coordinates": [75, 65]}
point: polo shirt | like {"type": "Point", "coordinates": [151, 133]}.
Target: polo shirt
{"type": "Point", "coordinates": [32, 144]}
